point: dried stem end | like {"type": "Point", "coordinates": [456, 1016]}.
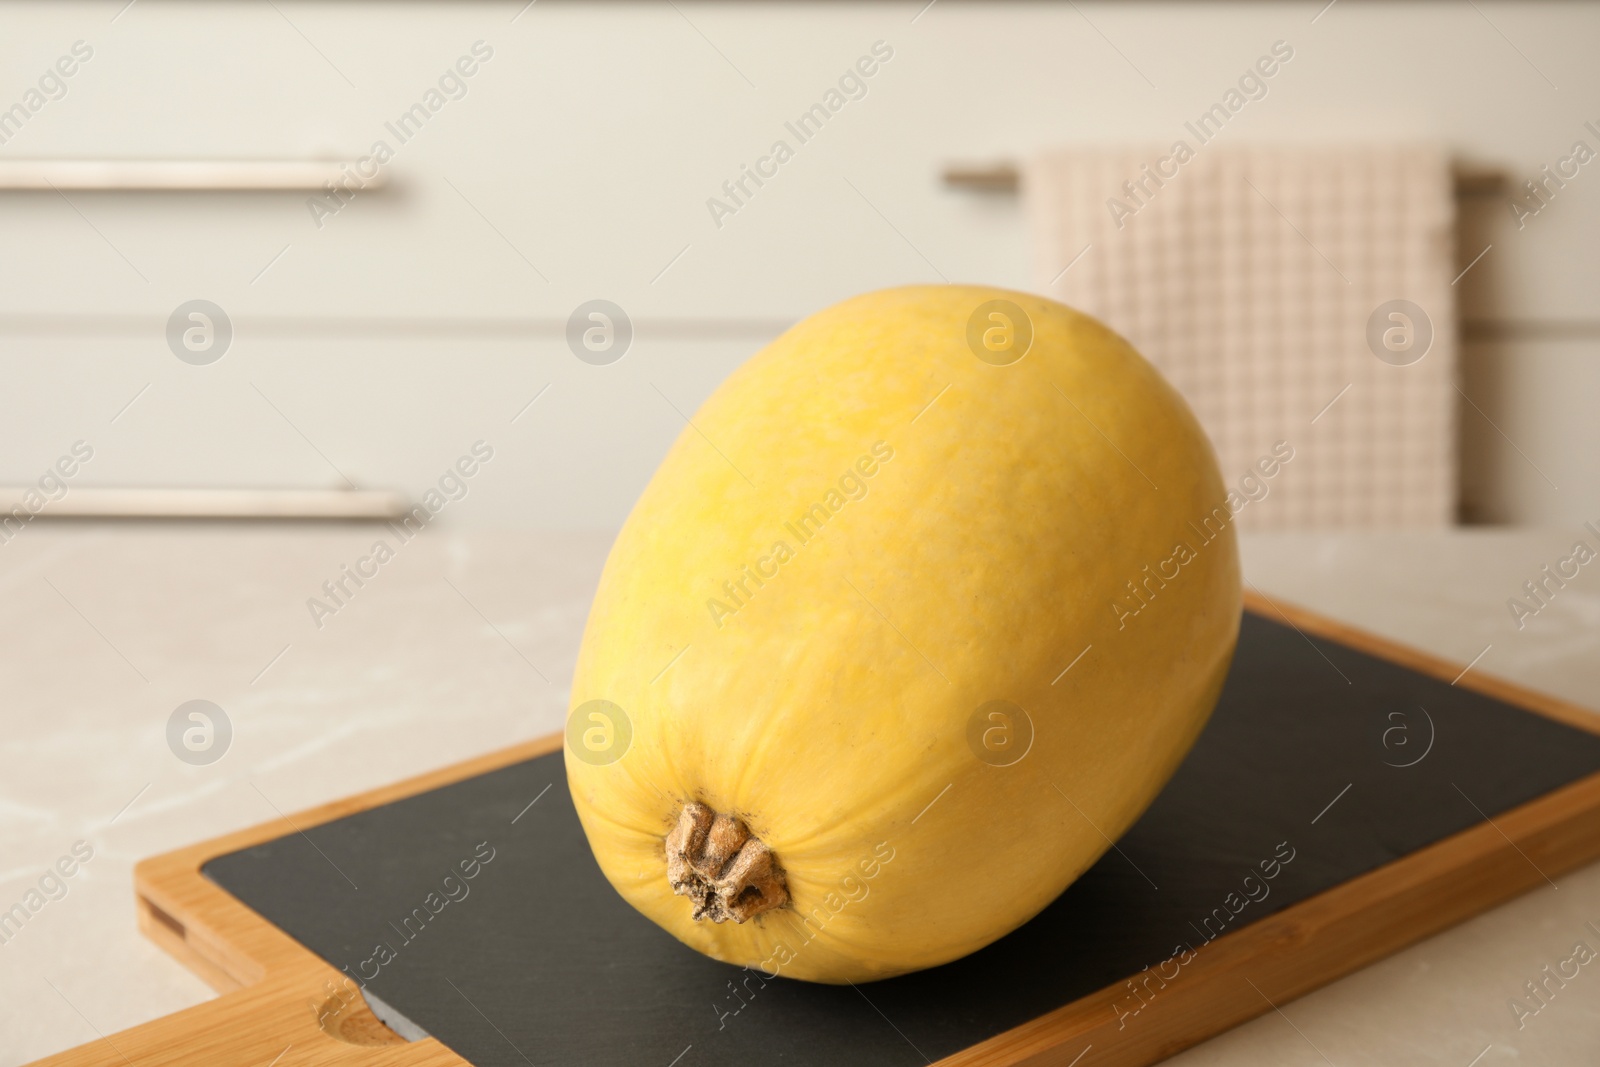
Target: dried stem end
{"type": "Point", "coordinates": [725, 872]}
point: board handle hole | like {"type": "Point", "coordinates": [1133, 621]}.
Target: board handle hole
{"type": "Point", "coordinates": [164, 919]}
{"type": "Point", "coordinates": [346, 1017]}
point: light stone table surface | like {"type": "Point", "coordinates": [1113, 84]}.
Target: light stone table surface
{"type": "Point", "coordinates": [465, 643]}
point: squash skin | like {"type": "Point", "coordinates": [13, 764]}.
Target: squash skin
{"type": "Point", "coordinates": [830, 712]}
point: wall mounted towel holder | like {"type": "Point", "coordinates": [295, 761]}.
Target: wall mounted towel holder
{"type": "Point", "coordinates": [1471, 181]}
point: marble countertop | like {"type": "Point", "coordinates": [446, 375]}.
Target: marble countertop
{"type": "Point", "coordinates": [465, 642]}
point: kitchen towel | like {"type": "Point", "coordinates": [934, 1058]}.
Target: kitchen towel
{"type": "Point", "coordinates": [1299, 298]}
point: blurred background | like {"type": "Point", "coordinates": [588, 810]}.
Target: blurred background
{"type": "Point", "coordinates": [376, 336]}
{"type": "Point", "coordinates": [321, 261]}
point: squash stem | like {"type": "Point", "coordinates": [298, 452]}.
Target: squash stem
{"type": "Point", "coordinates": [725, 871]}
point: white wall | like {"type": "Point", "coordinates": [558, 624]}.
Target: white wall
{"type": "Point", "coordinates": [417, 321]}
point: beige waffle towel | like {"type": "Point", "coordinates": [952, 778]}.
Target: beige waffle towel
{"type": "Point", "coordinates": [1249, 276]}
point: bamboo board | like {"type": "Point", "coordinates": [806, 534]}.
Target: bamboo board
{"type": "Point", "coordinates": [277, 996]}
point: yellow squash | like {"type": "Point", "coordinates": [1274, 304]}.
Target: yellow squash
{"type": "Point", "coordinates": [920, 612]}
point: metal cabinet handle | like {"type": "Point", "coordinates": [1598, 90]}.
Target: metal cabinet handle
{"type": "Point", "coordinates": [160, 175]}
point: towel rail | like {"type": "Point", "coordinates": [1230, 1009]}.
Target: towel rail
{"type": "Point", "coordinates": [1006, 178]}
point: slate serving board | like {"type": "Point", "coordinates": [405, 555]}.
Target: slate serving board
{"type": "Point", "coordinates": [1342, 759]}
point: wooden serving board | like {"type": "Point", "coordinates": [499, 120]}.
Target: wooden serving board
{"type": "Point", "coordinates": [1348, 798]}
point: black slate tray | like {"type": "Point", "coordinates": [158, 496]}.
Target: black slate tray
{"type": "Point", "coordinates": [1343, 759]}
